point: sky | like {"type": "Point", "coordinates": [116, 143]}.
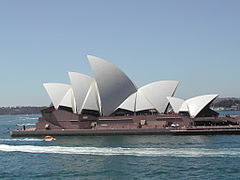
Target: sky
{"type": "Point", "coordinates": [195, 42]}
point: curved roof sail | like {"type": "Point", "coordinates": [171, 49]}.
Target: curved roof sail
{"type": "Point", "coordinates": [56, 92]}
{"type": "Point", "coordinates": [114, 86]}
{"type": "Point", "coordinates": [136, 102]}
{"type": "Point", "coordinates": [69, 100]}
{"type": "Point", "coordinates": [157, 93]}
{"type": "Point", "coordinates": [184, 107]}
{"type": "Point", "coordinates": [196, 104]}
{"type": "Point", "coordinates": [193, 105]}
{"type": "Point", "coordinates": [91, 100]}
{"type": "Point", "coordinates": [142, 103]}
{"type": "Point", "coordinates": [81, 85]}
{"type": "Point", "coordinates": [176, 103]}
{"type": "Point", "coordinates": [129, 103]}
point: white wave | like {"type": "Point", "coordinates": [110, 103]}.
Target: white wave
{"type": "Point", "coordinates": [23, 119]}
{"type": "Point", "coordinates": [109, 151]}
{"type": "Point", "coordinates": [31, 118]}
{"type": "Point", "coordinates": [24, 139]}
{"type": "Point", "coordinates": [26, 118]}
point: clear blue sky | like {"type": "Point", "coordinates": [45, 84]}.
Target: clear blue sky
{"type": "Point", "coordinates": [195, 42]}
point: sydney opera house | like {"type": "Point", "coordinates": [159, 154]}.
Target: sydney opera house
{"type": "Point", "coordinates": [110, 101]}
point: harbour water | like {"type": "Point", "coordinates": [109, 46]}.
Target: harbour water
{"type": "Point", "coordinates": [116, 157]}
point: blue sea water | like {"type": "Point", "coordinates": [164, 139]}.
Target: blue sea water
{"type": "Point", "coordinates": [117, 157]}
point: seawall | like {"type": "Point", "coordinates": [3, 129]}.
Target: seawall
{"type": "Point", "coordinates": [91, 132]}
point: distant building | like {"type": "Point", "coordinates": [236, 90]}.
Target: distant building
{"type": "Point", "coordinates": [234, 108]}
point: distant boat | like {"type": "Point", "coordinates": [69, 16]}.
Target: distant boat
{"type": "Point", "coordinates": [49, 138]}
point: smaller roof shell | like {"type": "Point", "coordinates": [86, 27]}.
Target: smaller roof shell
{"type": "Point", "coordinates": [157, 92]}
{"type": "Point", "coordinates": [151, 96]}
{"type": "Point", "coordinates": [142, 103]}
{"type": "Point", "coordinates": [129, 103]}
{"type": "Point", "coordinates": [91, 100]}
{"type": "Point", "coordinates": [193, 105]}
{"type": "Point", "coordinates": [69, 100]}
{"type": "Point", "coordinates": [81, 85]}
{"type": "Point", "coordinates": [176, 103]}
{"type": "Point", "coordinates": [56, 92]}
{"type": "Point", "coordinates": [196, 104]}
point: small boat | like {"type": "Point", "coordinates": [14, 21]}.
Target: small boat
{"type": "Point", "coordinates": [49, 138]}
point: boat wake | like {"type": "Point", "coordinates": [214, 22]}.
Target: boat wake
{"type": "Point", "coordinates": [26, 118]}
{"type": "Point", "coordinates": [117, 151]}
{"type": "Point", "coordinates": [24, 139]}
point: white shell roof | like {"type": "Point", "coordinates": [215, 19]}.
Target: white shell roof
{"type": "Point", "coordinates": [129, 103]}
{"type": "Point", "coordinates": [142, 103]}
{"type": "Point", "coordinates": [112, 89]}
{"type": "Point", "coordinates": [176, 103]}
{"type": "Point", "coordinates": [157, 92]}
{"type": "Point", "coordinates": [151, 96]}
{"type": "Point", "coordinates": [196, 104]}
{"type": "Point", "coordinates": [136, 102]}
{"type": "Point", "coordinates": [184, 107]}
{"type": "Point", "coordinates": [84, 91]}
{"type": "Point", "coordinates": [114, 86]}
{"type": "Point", "coordinates": [56, 92]}
{"type": "Point", "coordinates": [69, 100]}
{"type": "Point", "coordinates": [91, 100]}
{"type": "Point", "coordinates": [193, 105]}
